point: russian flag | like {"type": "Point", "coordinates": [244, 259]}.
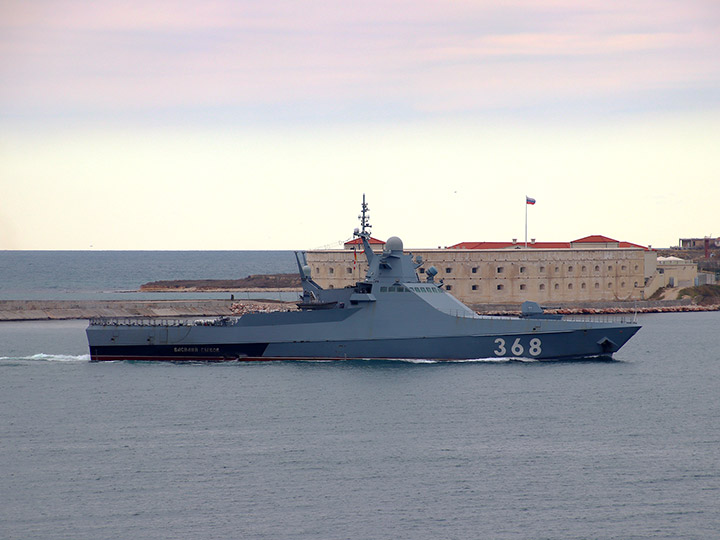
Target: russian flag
{"type": "Point", "coordinates": [529, 200]}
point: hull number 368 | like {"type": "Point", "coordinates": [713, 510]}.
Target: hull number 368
{"type": "Point", "coordinates": [534, 348]}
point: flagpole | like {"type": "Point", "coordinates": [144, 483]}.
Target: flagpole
{"type": "Point", "coordinates": [526, 205]}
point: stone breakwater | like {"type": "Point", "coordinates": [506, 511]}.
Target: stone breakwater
{"type": "Point", "coordinates": [42, 310]}
{"type": "Point", "coordinates": [39, 310]}
{"type": "Point", "coordinates": [611, 311]}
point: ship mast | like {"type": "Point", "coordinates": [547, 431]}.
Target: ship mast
{"type": "Point", "coordinates": [364, 234]}
{"type": "Point", "coordinates": [364, 218]}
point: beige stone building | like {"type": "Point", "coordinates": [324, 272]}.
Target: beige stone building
{"type": "Point", "coordinates": [591, 269]}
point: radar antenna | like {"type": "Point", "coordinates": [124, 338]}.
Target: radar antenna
{"type": "Point", "coordinates": [364, 218]}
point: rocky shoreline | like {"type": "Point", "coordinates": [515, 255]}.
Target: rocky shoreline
{"type": "Point", "coordinates": [259, 282]}
{"type": "Point", "coordinates": [38, 310]}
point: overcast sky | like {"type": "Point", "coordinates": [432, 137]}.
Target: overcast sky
{"type": "Point", "coordinates": [232, 124]}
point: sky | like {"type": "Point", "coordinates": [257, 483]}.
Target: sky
{"type": "Point", "coordinates": [235, 124]}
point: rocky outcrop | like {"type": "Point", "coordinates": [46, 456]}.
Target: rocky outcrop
{"type": "Point", "coordinates": [254, 282]}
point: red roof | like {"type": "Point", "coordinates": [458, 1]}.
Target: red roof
{"type": "Point", "coordinates": [358, 241]}
{"type": "Point", "coordinates": [593, 239]}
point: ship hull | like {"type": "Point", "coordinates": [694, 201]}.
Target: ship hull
{"type": "Point", "coordinates": [583, 342]}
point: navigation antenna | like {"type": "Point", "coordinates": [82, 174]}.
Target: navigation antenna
{"type": "Point", "coordinates": [364, 218]}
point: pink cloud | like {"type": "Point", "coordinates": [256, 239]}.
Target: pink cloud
{"type": "Point", "coordinates": [472, 54]}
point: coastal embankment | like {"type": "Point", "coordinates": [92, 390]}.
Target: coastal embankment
{"type": "Point", "coordinates": [40, 310]}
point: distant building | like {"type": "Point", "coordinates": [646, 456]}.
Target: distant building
{"type": "Point", "coordinates": [593, 268]}
{"type": "Point", "coordinates": [699, 243]}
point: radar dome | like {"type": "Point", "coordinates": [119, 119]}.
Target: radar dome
{"type": "Point", "coordinates": [394, 244]}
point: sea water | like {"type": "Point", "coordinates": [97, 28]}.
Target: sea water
{"type": "Point", "coordinates": [623, 449]}
{"type": "Point", "coordinates": [98, 275]}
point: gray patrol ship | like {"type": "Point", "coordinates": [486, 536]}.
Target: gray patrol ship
{"type": "Point", "coordinates": [390, 315]}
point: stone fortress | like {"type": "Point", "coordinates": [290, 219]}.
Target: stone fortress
{"type": "Point", "coordinates": [591, 269]}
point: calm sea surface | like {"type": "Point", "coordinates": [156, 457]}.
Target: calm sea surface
{"type": "Point", "coordinates": [363, 450]}
{"type": "Point", "coordinates": [91, 275]}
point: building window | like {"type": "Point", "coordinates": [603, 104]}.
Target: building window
{"type": "Point", "coordinates": [542, 286]}
{"type": "Point", "coordinates": [317, 269]}
{"type": "Point", "coordinates": [609, 284]}
{"type": "Point", "coordinates": [474, 287]}
{"type": "Point", "coordinates": [500, 269]}
{"type": "Point", "coordinates": [474, 270]}
{"type": "Point", "coordinates": [331, 270]}
{"type": "Point", "coordinates": [421, 270]}
{"type": "Point", "coordinates": [349, 270]}
{"type": "Point", "coordinates": [583, 286]}
{"type": "Point", "coordinates": [448, 270]}
{"type": "Point", "coordinates": [636, 284]}
{"type": "Point", "coordinates": [542, 269]}
{"type": "Point", "coordinates": [500, 287]}
{"type": "Point", "coordinates": [557, 268]}
{"type": "Point", "coordinates": [331, 286]}
{"type": "Point", "coordinates": [636, 267]}
{"type": "Point", "coordinates": [597, 267]}
{"type": "Point", "coordinates": [569, 285]}
{"type": "Point", "coordinates": [597, 285]}
{"type": "Point", "coordinates": [448, 287]}
{"type": "Point", "coordinates": [570, 268]}
{"type": "Point", "coordinates": [522, 269]}
{"type": "Point", "coordinates": [623, 267]}
{"type": "Point", "coordinates": [523, 287]}
{"type": "Point", "coordinates": [584, 268]}
{"type": "Point", "coordinates": [622, 284]}
{"type": "Point", "coordinates": [609, 268]}
{"type": "Point", "coordinates": [557, 286]}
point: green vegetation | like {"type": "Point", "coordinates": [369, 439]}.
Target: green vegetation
{"type": "Point", "coordinates": [702, 294]}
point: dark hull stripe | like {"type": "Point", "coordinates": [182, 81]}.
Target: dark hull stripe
{"type": "Point", "coordinates": [212, 359]}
